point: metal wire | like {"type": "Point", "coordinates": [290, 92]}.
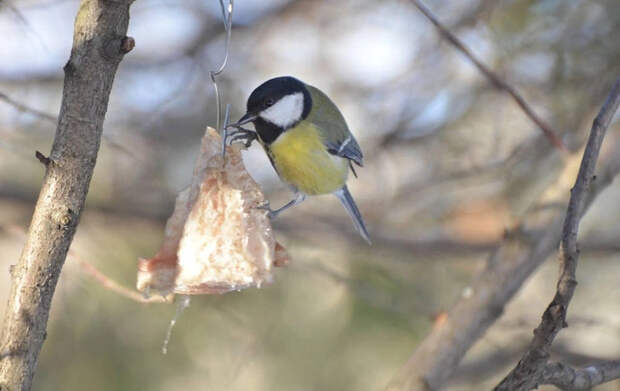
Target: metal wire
{"type": "Point", "coordinates": [227, 13]}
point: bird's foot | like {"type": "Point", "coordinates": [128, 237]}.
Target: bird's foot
{"type": "Point", "coordinates": [270, 213]}
{"type": "Point", "coordinates": [246, 136]}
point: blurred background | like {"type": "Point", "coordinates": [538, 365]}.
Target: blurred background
{"type": "Point", "coordinates": [451, 163]}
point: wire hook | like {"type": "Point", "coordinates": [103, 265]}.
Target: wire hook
{"type": "Point", "coordinates": [227, 13]}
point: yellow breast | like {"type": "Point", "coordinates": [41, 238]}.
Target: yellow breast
{"type": "Point", "coordinates": [301, 159]}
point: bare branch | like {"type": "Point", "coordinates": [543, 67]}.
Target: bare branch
{"type": "Point", "coordinates": [97, 275]}
{"type": "Point", "coordinates": [482, 303]}
{"type": "Point", "coordinates": [114, 286]}
{"type": "Point", "coordinates": [436, 358]}
{"type": "Point", "coordinates": [497, 81]}
{"type": "Point", "coordinates": [126, 45]}
{"type": "Point", "coordinates": [26, 109]}
{"type": "Point", "coordinates": [526, 375]}
{"type": "Point", "coordinates": [99, 44]}
{"type": "Point", "coordinates": [580, 379]}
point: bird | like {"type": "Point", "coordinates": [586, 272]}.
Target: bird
{"type": "Point", "coordinates": [307, 140]}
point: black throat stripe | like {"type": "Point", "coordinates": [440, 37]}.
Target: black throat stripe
{"type": "Point", "coordinates": [267, 131]}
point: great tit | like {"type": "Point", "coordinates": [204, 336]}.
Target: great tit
{"type": "Point", "coordinates": [307, 140]}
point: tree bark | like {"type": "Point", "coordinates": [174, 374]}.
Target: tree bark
{"type": "Point", "coordinates": [99, 43]}
{"type": "Point", "coordinates": [579, 379]}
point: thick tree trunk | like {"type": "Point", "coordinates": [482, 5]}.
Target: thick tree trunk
{"type": "Point", "coordinates": [99, 44]}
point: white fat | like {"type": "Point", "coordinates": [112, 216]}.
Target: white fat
{"type": "Point", "coordinates": [286, 111]}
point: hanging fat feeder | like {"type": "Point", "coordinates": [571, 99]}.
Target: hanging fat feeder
{"type": "Point", "coordinates": [216, 240]}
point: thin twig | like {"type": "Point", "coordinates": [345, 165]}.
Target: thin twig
{"type": "Point", "coordinates": [26, 109]}
{"type": "Point", "coordinates": [52, 119]}
{"type": "Point", "coordinates": [114, 286]}
{"type": "Point", "coordinates": [22, 19]}
{"type": "Point", "coordinates": [500, 84]}
{"type": "Point", "coordinates": [527, 374]}
{"type": "Point", "coordinates": [42, 158]}
{"type": "Point", "coordinates": [93, 272]}
{"type": "Point", "coordinates": [580, 379]}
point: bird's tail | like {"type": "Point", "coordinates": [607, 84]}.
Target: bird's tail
{"type": "Point", "coordinates": [347, 201]}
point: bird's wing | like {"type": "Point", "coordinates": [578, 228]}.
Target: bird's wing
{"type": "Point", "coordinates": [347, 148]}
{"type": "Point", "coordinates": [333, 127]}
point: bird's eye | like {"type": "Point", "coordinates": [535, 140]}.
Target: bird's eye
{"type": "Point", "coordinates": [269, 102]}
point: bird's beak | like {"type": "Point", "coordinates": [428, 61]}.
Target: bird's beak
{"type": "Point", "coordinates": [247, 117]}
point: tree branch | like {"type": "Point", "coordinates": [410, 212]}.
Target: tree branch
{"type": "Point", "coordinates": [126, 46]}
{"type": "Point", "coordinates": [114, 286]}
{"type": "Point", "coordinates": [482, 303]}
{"type": "Point", "coordinates": [527, 374]}
{"type": "Point", "coordinates": [26, 109]}
{"type": "Point", "coordinates": [580, 379]}
{"type": "Point", "coordinates": [97, 275]}
{"type": "Point", "coordinates": [436, 358]}
{"type": "Point", "coordinates": [99, 43]}
{"type": "Point", "coordinates": [497, 81]}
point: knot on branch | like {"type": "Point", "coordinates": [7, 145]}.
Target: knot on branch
{"type": "Point", "coordinates": [127, 44]}
{"type": "Point", "coordinates": [63, 218]}
{"type": "Point", "coordinates": [537, 355]}
{"type": "Point", "coordinates": [118, 46]}
{"type": "Point", "coordinates": [557, 311]}
{"type": "Point", "coordinates": [42, 158]}
{"type": "Point", "coordinates": [69, 68]}
{"type": "Point", "coordinates": [571, 282]}
{"type": "Point", "coordinates": [12, 273]}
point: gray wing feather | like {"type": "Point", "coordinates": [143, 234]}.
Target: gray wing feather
{"type": "Point", "coordinates": [331, 123]}
{"type": "Point", "coordinates": [349, 148]}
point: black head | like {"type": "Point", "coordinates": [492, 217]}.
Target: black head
{"type": "Point", "coordinates": [277, 105]}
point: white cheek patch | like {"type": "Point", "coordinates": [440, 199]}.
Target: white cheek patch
{"type": "Point", "coordinates": [286, 111]}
